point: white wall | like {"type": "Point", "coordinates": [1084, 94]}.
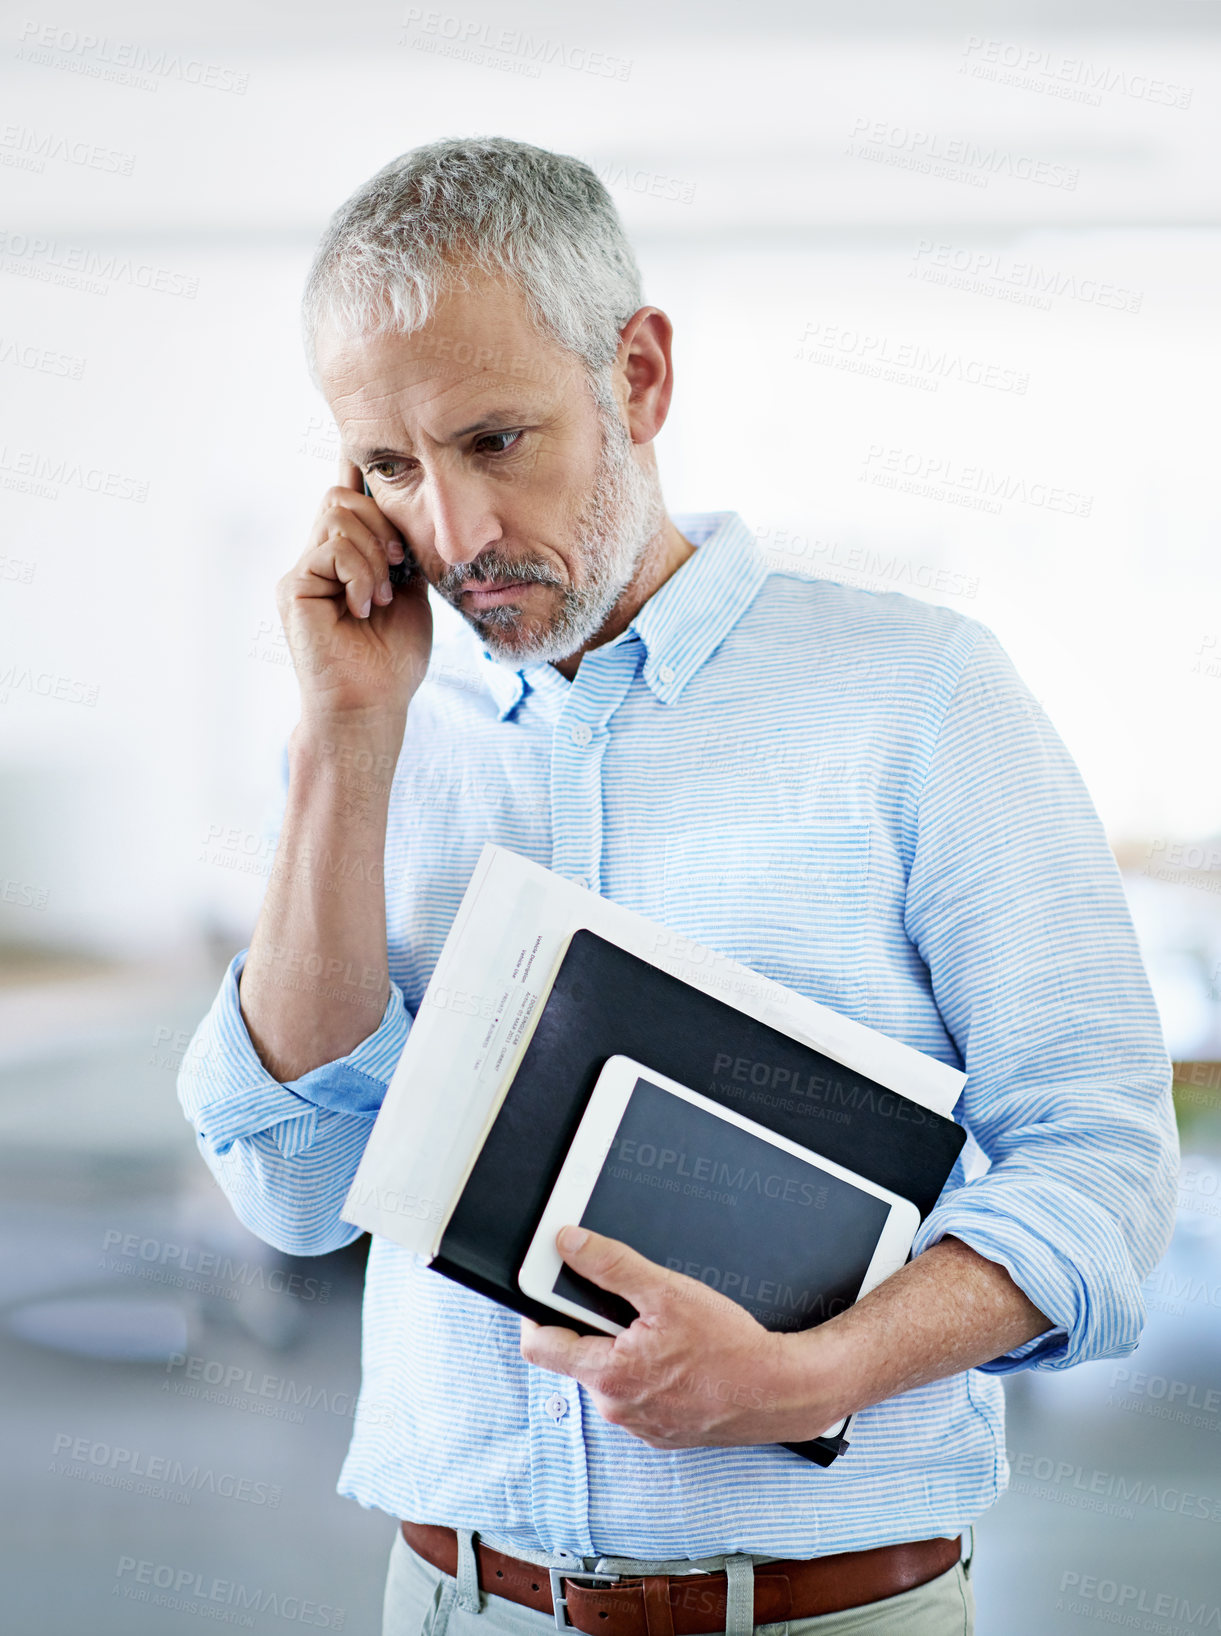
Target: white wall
{"type": "Point", "coordinates": [764, 230]}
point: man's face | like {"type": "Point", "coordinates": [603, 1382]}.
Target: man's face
{"type": "Point", "coordinates": [524, 501]}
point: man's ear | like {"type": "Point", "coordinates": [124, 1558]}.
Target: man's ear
{"type": "Point", "coordinates": [644, 373]}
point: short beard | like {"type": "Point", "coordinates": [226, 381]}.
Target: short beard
{"type": "Point", "coordinates": [623, 515]}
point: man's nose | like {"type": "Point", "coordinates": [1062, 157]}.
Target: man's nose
{"type": "Point", "coordinates": [463, 521]}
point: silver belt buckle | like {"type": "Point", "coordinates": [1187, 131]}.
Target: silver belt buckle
{"type": "Point", "coordinates": [558, 1599]}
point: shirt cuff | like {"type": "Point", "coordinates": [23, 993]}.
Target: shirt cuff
{"type": "Point", "coordinates": [1092, 1297]}
{"type": "Point", "coordinates": [227, 1093]}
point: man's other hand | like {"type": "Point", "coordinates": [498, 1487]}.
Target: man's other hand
{"type": "Point", "coordinates": [693, 1370]}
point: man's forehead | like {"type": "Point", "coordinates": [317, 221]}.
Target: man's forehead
{"type": "Point", "coordinates": [445, 405]}
{"type": "Point", "coordinates": [364, 436]}
{"type": "Point", "coordinates": [481, 327]}
{"type": "Point", "coordinates": [449, 358]}
{"type": "Point", "coordinates": [455, 381]}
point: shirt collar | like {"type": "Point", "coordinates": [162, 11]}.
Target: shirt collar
{"type": "Point", "coordinates": [684, 620]}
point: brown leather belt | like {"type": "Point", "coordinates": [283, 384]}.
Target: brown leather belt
{"type": "Point", "coordinates": [693, 1604]}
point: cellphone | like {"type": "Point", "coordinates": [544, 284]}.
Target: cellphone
{"type": "Point", "coordinates": [401, 573]}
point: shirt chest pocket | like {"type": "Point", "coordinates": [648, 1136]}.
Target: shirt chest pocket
{"type": "Point", "coordinates": [787, 899]}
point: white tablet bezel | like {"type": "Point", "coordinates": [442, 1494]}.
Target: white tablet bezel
{"type": "Point", "coordinates": [587, 1153]}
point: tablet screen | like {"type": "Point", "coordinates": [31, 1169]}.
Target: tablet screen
{"type": "Point", "coordinates": [695, 1192]}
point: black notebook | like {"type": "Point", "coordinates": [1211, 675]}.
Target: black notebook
{"type": "Point", "coordinates": [605, 1001]}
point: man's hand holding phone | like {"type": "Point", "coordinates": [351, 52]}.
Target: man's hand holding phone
{"type": "Point", "coordinates": [360, 648]}
{"type": "Point", "coordinates": [401, 573]}
{"type": "Point", "coordinates": [355, 612]}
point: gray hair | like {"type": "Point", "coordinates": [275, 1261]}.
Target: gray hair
{"type": "Point", "coordinates": [413, 231]}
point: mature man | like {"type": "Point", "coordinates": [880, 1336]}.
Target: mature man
{"type": "Point", "coordinates": [853, 793]}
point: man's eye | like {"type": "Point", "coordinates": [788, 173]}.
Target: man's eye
{"type": "Point", "coordinates": [384, 469]}
{"type": "Point", "coordinates": [490, 437]}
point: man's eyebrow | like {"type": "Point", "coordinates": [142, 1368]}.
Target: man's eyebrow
{"type": "Point", "coordinates": [497, 420]}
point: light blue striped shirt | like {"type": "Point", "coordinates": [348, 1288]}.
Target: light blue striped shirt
{"type": "Point", "coordinates": [855, 794]}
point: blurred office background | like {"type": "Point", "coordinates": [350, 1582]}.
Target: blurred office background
{"type": "Point", "coordinates": [944, 283]}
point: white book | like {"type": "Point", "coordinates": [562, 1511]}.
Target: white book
{"type": "Point", "coordinates": [475, 1017]}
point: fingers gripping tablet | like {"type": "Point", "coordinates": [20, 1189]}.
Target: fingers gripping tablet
{"type": "Point", "coordinates": [694, 1186]}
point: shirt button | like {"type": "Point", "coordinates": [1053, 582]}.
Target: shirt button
{"type": "Point", "coordinates": [581, 734]}
{"type": "Point", "coordinates": [582, 881]}
{"type": "Point", "coordinates": [666, 673]}
{"type": "Point", "coordinates": [556, 1407]}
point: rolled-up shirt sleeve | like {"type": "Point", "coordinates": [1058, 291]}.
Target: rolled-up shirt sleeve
{"type": "Point", "coordinates": [227, 1093]}
{"type": "Point", "coordinates": [1016, 906]}
{"type": "Point", "coordinates": [285, 1153]}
